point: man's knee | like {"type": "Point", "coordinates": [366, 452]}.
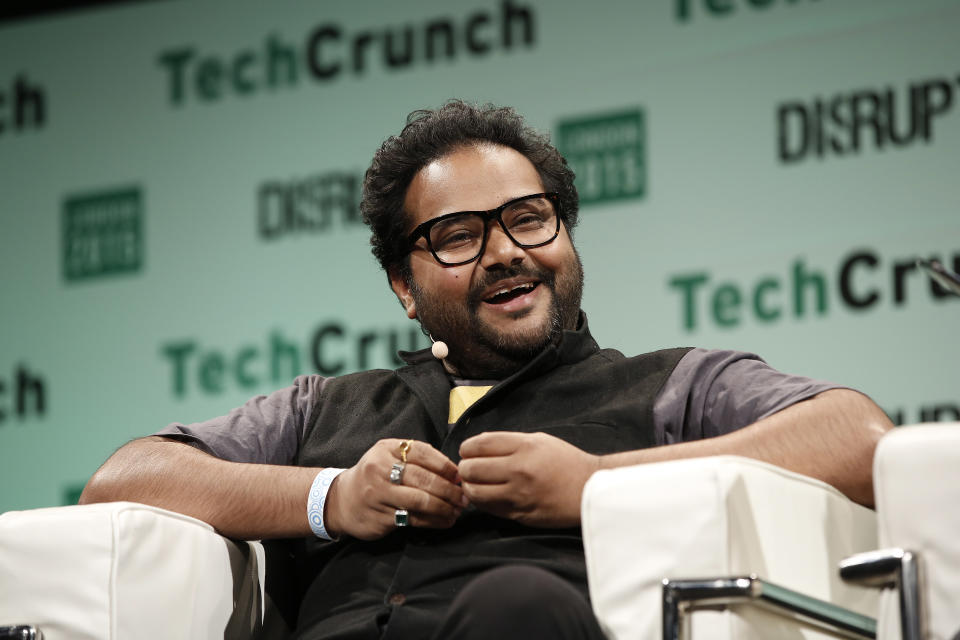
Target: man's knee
{"type": "Point", "coordinates": [519, 588]}
{"type": "Point", "coordinates": [520, 601]}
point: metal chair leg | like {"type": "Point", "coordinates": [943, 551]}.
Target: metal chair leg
{"type": "Point", "coordinates": [682, 597]}
{"type": "Point", "coordinates": [892, 569]}
{"type": "Point", "coordinates": [20, 632]}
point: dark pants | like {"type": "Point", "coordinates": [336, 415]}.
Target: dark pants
{"type": "Point", "coordinates": [519, 602]}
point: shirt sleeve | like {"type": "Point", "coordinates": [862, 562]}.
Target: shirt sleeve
{"type": "Point", "coordinates": [266, 429]}
{"type": "Point", "coordinates": [712, 392]}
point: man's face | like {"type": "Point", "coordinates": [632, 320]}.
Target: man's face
{"type": "Point", "coordinates": [489, 335]}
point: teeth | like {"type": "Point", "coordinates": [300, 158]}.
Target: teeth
{"type": "Point", "coordinates": [503, 290]}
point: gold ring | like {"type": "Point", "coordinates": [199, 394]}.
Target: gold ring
{"type": "Point", "coordinates": [404, 448]}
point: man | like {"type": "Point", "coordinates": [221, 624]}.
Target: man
{"type": "Point", "coordinates": [443, 500]}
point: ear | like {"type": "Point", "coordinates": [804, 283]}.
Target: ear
{"type": "Point", "coordinates": [402, 290]}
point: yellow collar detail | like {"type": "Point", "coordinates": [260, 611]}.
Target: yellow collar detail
{"type": "Point", "coordinates": [461, 398]}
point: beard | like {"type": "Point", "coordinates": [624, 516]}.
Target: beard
{"type": "Point", "coordinates": [481, 351]}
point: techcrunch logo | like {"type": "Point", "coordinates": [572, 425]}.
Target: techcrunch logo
{"type": "Point", "coordinates": [22, 395]}
{"type": "Point", "coordinates": [331, 349]}
{"type": "Point", "coordinates": [70, 493]}
{"type": "Point", "coordinates": [947, 411]}
{"type": "Point", "coordinates": [23, 106]}
{"type": "Point", "coordinates": [330, 51]}
{"type": "Point", "coordinates": [683, 9]}
{"type": "Point", "coordinates": [863, 279]}
{"type": "Point", "coordinates": [847, 122]}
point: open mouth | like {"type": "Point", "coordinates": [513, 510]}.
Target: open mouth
{"type": "Point", "coordinates": [506, 294]}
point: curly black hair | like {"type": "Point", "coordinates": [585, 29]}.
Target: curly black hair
{"type": "Point", "coordinates": [433, 133]}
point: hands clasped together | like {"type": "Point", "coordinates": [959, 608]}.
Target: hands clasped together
{"type": "Point", "coordinates": [533, 478]}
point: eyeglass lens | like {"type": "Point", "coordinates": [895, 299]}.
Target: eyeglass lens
{"type": "Point", "coordinates": [529, 222]}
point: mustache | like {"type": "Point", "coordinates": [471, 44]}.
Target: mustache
{"type": "Point", "coordinates": [489, 279]}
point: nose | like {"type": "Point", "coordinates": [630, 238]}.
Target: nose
{"type": "Point", "coordinates": [501, 250]}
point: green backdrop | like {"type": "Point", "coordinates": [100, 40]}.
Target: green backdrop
{"type": "Point", "coordinates": [179, 185]}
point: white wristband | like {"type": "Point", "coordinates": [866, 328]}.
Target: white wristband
{"type": "Point", "coordinates": [317, 498]}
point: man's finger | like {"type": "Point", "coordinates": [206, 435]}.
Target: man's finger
{"type": "Point", "coordinates": [493, 498]}
{"type": "Point", "coordinates": [486, 470]}
{"type": "Point", "coordinates": [431, 521]}
{"type": "Point", "coordinates": [426, 456]}
{"type": "Point", "coordinates": [417, 477]}
{"type": "Point", "coordinates": [421, 503]}
{"type": "Point", "coordinates": [386, 517]}
{"type": "Point", "coordinates": [491, 443]}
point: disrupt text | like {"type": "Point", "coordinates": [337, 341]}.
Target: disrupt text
{"type": "Point", "coordinates": [315, 204]}
{"type": "Point", "coordinates": [848, 122]}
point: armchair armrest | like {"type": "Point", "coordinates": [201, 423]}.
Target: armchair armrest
{"type": "Point", "coordinates": [717, 517]}
{"type": "Point", "coordinates": [125, 570]}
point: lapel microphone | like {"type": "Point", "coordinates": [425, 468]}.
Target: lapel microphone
{"type": "Point", "coordinates": [439, 349]}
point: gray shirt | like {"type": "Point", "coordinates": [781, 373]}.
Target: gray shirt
{"type": "Point", "coordinates": [709, 393]}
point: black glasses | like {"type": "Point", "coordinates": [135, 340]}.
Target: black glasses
{"type": "Point", "coordinates": [461, 237]}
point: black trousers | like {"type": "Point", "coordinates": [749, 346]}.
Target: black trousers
{"type": "Point", "coordinates": [519, 602]}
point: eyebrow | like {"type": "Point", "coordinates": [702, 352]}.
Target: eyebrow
{"type": "Point", "coordinates": [503, 202]}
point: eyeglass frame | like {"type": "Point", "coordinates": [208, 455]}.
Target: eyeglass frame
{"type": "Point", "coordinates": [422, 230]}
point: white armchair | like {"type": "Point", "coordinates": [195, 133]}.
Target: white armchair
{"type": "Point", "coordinates": [130, 571]}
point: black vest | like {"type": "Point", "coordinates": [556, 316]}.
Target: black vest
{"type": "Point", "coordinates": [595, 399]}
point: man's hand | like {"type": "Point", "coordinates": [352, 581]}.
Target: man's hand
{"type": "Point", "coordinates": [533, 478]}
{"type": "Point", "coordinates": [362, 501]}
